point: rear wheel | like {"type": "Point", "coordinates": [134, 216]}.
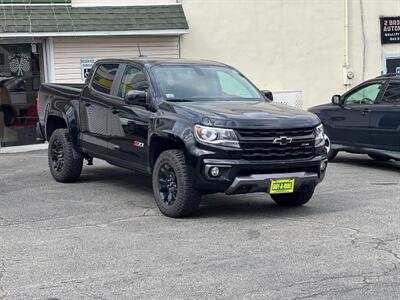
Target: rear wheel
{"type": "Point", "coordinates": [379, 157]}
{"type": "Point", "coordinates": [172, 185]}
{"type": "Point", "coordinates": [294, 199]}
{"type": "Point", "coordinates": [63, 166]}
{"type": "Point", "coordinates": [331, 154]}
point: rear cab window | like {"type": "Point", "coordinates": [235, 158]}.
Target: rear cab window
{"type": "Point", "coordinates": [103, 78]}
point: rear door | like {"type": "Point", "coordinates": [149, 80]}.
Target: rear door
{"type": "Point", "coordinates": [94, 109]}
{"type": "Point", "coordinates": [385, 119]}
{"type": "Point", "coordinates": [350, 122]}
{"type": "Point", "coordinates": [128, 125]}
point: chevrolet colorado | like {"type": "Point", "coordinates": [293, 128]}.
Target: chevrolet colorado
{"type": "Point", "coordinates": [196, 127]}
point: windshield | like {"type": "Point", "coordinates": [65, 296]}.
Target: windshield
{"type": "Point", "coordinates": [201, 82]}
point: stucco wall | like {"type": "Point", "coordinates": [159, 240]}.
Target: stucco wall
{"type": "Point", "coordinates": [289, 45]}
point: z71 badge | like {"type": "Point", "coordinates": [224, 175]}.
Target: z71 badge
{"type": "Point", "coordinates": [138, 144]}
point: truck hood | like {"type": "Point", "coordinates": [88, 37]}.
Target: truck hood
{"type": "Point", "coordinates": [245, 114]}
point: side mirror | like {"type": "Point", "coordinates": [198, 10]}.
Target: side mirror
{"type": "Point", "coordinates": [135, 97]}
{"type": "Point", "coordinates": [336, 99]}
{"type": "Point", "coordinates": [268, 94]}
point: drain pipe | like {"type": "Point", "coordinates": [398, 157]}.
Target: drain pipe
{"type": "Point", "coordinates": [346, 33]}
{"type": "Point", "coordinates": [347, 72]}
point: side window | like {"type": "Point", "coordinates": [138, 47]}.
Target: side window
{"type": "Point", "coordinates": [365, 95]}
{"type": "Point", "coordinates": [133, 79]}
{"type": "Point", "coordinates": [103, 77]}
{"type": "Point", "coordinates": [392, 94]}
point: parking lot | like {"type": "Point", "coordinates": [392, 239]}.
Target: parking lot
{"type": "Point", "coordinates": [103, 238]}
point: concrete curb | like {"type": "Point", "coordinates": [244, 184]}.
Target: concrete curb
{"type": "Point", "coordinates": [22, 149]}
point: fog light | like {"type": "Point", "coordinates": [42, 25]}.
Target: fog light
{"type": "Point", "coordinates": [323, 166]}
{"type": "Point", "coordinates": [214, 171]}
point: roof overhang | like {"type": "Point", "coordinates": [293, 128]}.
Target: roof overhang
{"type": "Point", "coordinates": [167, 32]}
{"type": "Point", "coordinates": [52, 21]}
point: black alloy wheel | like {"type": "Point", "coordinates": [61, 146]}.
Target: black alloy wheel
{"type": "Point", "coordinates": [57, 155]}
{"type": "Point", "coordinates": [168, 184]}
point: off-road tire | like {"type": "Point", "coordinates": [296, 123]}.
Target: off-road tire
{"type": "Point", "coordinates": [379, 157]}
{"type": "Point", "coordinates": [294, 199]}
{"type": "Point", "coordinates": [72, 166]}
{"type": "Point", "coordinates": [187, 197]}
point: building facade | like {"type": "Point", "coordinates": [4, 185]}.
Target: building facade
{"type": "Point", "coordinates": [59, 40]}
{"type": "Point", "coordinates": [304, 51]}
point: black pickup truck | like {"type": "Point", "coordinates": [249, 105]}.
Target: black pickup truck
{"type": "Point", "coordinates": [197, 127]}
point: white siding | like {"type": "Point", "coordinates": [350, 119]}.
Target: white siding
{"type": "Point", "coordinates": [68, 51]}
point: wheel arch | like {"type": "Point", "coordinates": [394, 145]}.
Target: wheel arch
{"type": "Point", "coordinates": [53, 123]}
{"type": "Point", "coordinates": [159, 144]}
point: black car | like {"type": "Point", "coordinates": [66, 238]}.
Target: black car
{"type": "Point", "coordinates": [197, 127]}
{"type": "Point", "coordinates": [365, 119]}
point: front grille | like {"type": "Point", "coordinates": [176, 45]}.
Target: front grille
{"type": "Point", "coordinates": [247, 134]}
{"type": "Point", "coordinates": [259, 144]}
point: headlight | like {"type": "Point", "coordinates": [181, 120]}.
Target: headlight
{"type": "Point", "coordinates": [216, 136]}
{"type": "Point", "coordinates": [319, 136]}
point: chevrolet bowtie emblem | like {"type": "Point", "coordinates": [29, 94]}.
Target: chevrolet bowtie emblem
{"type": "Point", "coordinates": [283, 140]}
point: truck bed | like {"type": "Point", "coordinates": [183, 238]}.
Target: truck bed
{"type": "Point", "coordinates": [70, 90]}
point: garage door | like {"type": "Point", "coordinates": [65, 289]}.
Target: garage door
{"type": "Point", "coordinates": [68, 52]}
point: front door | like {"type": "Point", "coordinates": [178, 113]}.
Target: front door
{"type": "Point", "coordinates": [128, 124]}
{"type": "Point", "coordinates": [94, 109]}
{"type": "Point", "coordinates": [385, 120]}
{"type": "Point", "coordinates": [350, 121]}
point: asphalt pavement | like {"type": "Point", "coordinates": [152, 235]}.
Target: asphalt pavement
{"type": "Point", "coordinates": [104, 238]}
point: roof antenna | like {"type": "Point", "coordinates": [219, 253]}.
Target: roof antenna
{"type": "Point", "coordinates": [140, 52]}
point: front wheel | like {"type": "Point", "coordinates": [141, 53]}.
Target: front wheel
{"type": "Point", "coordinates": [172, 185]}
{"type": "Point", "coordinates": [294, 199]}
{"type": "Point", "coordinates": [63, 165]}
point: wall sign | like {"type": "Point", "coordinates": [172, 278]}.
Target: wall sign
{"type": "Point", "coordinates": [86, 66]}
{"type": "Point", "coordinates": [390, 30]}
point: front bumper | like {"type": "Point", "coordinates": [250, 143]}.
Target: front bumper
{"type": "Point", "coordinates": [244, 176]}
{"type": "Point", "coordinates": [262, 182]}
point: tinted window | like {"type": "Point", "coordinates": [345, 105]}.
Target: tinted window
{"type": "Point", "coordinates": [203, 83]}
{"type": "Point", "coordinates": [133, 79]}
{"type": "Point", "coordinates": [392, 94]}
{"type": "Point", "coordinates": [365, 95]}
{"type": "Point", "coordinates": [103, 77]}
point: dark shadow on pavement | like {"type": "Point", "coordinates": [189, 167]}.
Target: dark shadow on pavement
{"type": "Point", "coordinates": [261, 206]}
{"type": "Point", "coordinates": [115, 176]}
{"type": "Point", "coordinates": [364, 161]}
{"type": "Point", "coordinates": [215, 205]}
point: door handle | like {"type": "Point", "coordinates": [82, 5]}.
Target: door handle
{"type": "Point", "coordinates": [87, 104]}
{"type": "Point", "coordinates": [114, 111]}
